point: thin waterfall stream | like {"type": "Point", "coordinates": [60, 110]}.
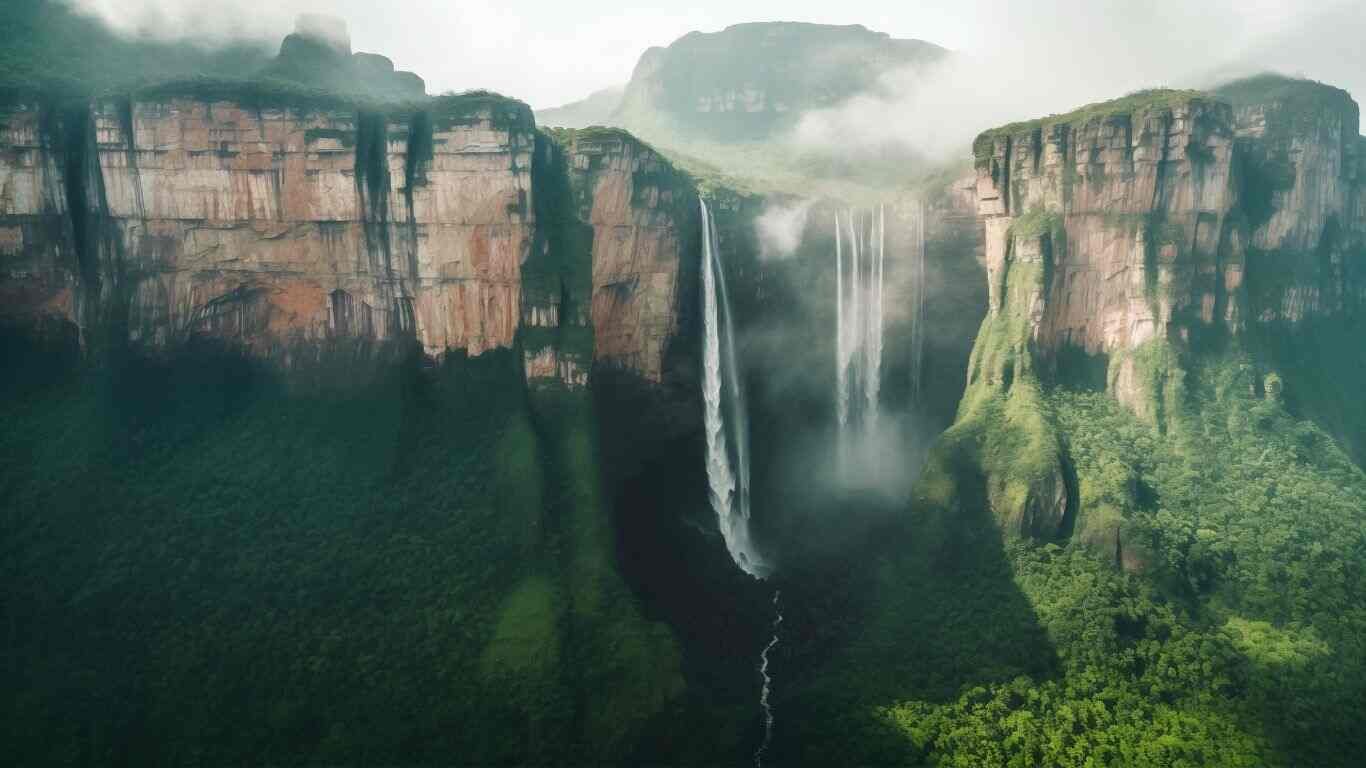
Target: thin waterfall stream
{"type": "Point", "coordinates": [768, 681]}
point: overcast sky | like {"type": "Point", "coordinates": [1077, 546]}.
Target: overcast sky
{"type": "Point", "coordinates": [547, 52]}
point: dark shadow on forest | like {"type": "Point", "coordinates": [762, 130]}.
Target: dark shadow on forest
{"type": "Point", "coordinates": [926, 610]}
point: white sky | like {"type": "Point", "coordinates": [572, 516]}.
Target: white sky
{"type": "Point", "coordinates": [547, 52]}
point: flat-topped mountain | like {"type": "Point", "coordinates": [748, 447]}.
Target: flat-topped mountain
{"type": "Point", "coordinates": [747, 82]}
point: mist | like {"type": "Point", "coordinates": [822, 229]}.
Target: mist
{"type": "Point", "coordinates": [1051, 57]}
{"type": "Point", "coordinates": [779, 229]}
{"type": "Point", "coordinates": [1013, 58]}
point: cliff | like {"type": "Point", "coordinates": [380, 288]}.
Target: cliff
{"type": "Point", "coordinates": [1301, 185]}
{"type": "Point", "coordinates": [1128, 246]}
{"type": "Point", "coordinates": [645, 226]}
{"type": "Point", "coordinates": [1167, 215]}
{"type": "Point", "coordinates": [289, 223]}
{"type": "Point", "coordinates": [278, 227]}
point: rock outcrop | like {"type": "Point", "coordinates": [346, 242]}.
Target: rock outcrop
{"type": "Point", "coordinates": [289, 224]}
{"type": "Point", "coordinates": [280, 227]}
{"type": "Point", "coordinates": [1303, 190]}
{"type": "Point", "coordinates": [318, 54]}
{"type": "Point", "coordinates": [1123, 239]}
{"type": "Point", "coordinates": [644, 221]}
{"type": "Point", "coordinates": [1164, 215]}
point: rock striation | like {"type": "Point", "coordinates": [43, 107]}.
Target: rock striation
{"type": "Point", "coordinates": [1165, 215]}
{"type": "Point", "coordinates": [280, 228]}
{"type": "Point", "coordinates": [644, 221]}
{"type": "Point", "coordinates": [291, 225]}
{"type": "Point", "coordinates": [1122, 240]}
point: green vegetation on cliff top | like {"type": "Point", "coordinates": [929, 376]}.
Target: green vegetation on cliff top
{"type": "Point", "coordinates": [1296, 93]}
{"type": "Point", "coordinates": [1298, 96]}
{"type": "Point", "coordinates": [1157, 99]}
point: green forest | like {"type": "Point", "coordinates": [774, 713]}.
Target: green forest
{"type": "Point", "coordinates": [1110, 510]}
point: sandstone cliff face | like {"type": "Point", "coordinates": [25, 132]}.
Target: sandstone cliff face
{"type": "Point", "coordinates": [1119, 239]}
{"type": "Point", "coordinates": [1124, 218]}
{"type": "Point", "coordinates": [1301, 184]}
{"type": "Point", "coordinates": [290, 230]}
{"type": "Point", "coordinates": [1161, 216]}
{"type": "Point", "coordinates": [644, 221]}
{"type": "Point", "coordinates": [273, 228]}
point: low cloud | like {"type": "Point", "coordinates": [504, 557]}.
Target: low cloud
{"type": "Point", "coordinates": [780, 229]}
{"type": "Point", "coordinates": [1053, 56]}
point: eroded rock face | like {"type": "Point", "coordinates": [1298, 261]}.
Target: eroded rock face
{"type": "Point", "coordinates": [645, 227]}
{"type": "Point", "coordinates": [1128, 211]}
{"type": "Point", "coordinates": [1301, 183]}
{"type": "Point", "coordinates": [277, 229]}
{"type": "Point", "coordinates": [1158, 218]}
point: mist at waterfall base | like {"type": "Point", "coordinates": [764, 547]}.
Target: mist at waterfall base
{"type": "Point", "coordinates": [818, 490]}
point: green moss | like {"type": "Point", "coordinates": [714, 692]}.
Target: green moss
{"type": "Point", "coordinates": [1155, 100]}
{"type": "Point", "coordinates": [1156, 374]}
{"type": "Point", "coordinates": [251, 93]}
{"type": "Point", "coordinates": [1037, 222]}
{"type": "Point", "coordinates": [505, 114]}
{"type": "Point", "coordinates": [419, 149]}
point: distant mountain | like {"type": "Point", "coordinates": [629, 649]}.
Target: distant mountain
{"type": "Point", "coordinates": [753, 81]}
{"type": "Point", "coordinates": [599, 108]}
{"type": "Point", "coordinates": [728, 99]}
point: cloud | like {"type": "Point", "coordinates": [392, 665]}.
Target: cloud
{"type": "Point", "coordinates": [780, 228]}
{"type": "Point", "coordinates": [1050, 57]}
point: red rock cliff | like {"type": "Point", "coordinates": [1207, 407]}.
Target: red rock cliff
{"type": "Point", "coordinates": [275, 227]}
{"type": "Point", "coordinates": [1163, 215]}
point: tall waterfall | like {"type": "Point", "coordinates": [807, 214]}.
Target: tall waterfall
{"type": "Point", "coordinates": [858, 309]}
{"type": "Point", "coordinates": [916, 257]}
{"type": "Point", "coordinates": [726, 420]}
{"type": "Point", "coordinates": [841, 342]}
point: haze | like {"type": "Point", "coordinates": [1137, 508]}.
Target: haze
{"type": "Point", "coordinates": [549, 53]}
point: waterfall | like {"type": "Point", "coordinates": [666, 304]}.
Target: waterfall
{"type": "Point", "coordinates": [727, 425]}
{"type": "Point", "coordinates": [859, 319]}
{"type": "Point", "coordinates": [841, 356]}
{"type": "Point", "coordinates": [872, 380]}
{"type": "Point", "coordinates": [768, 682]}
{"type": "Point", "coordinates": [726, 420]}
{"type": "Point", "coordinates": [916, 231]}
